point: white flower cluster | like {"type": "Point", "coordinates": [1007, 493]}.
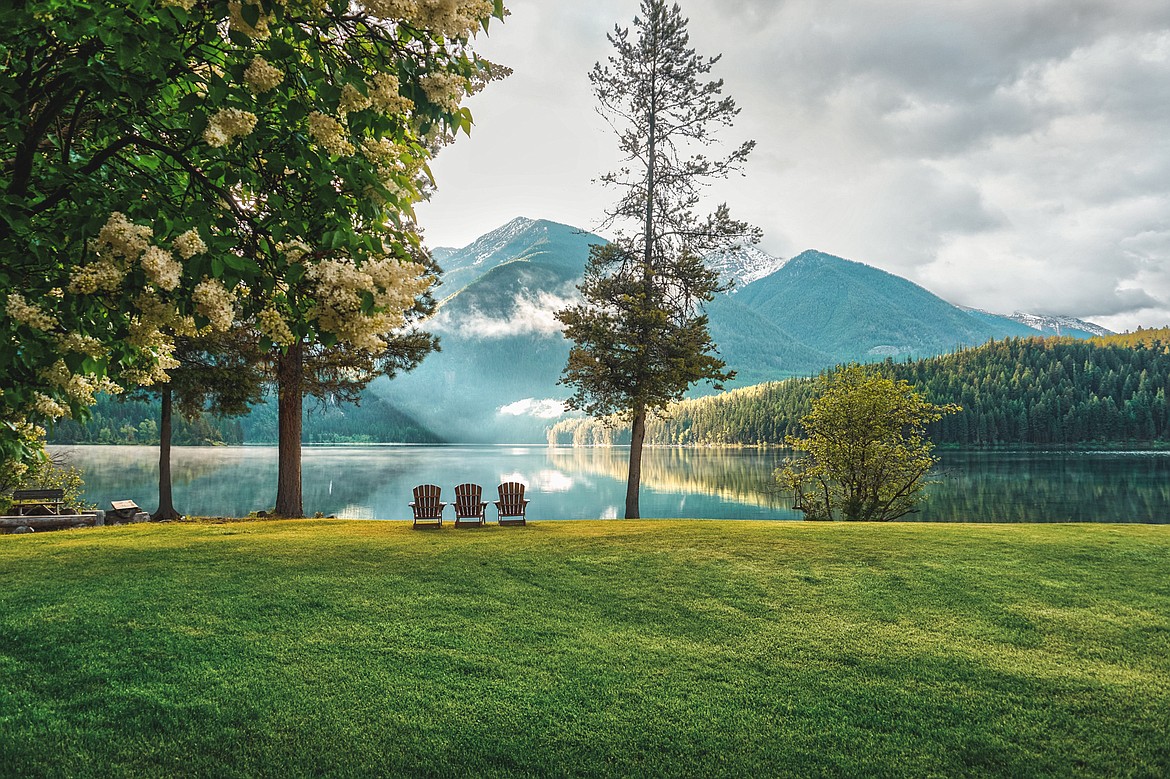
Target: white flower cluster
{"type": "Point", "coordinates": [103, 274]}
{"type": "Point", "coordinates": [79, 388]}
{"type": "Point", "coordinates": [352, 99]}
{"type": "Point", "coordinates": [146, 326]}
{"type": "Point", "coordinates": [76, 343]}
{"type": "Point", "coordinates": [214, 302]}
{"type": "Point", "coordinates": [329, 134]}
{"type": "Point", "coordinates": [122, 237]}
{"type": "Point", "coordinates": [161, 268]}
{"type": "Point", "coordinates": [340, 285]}
{"type": "Point", "coordinates": [228, 124]}
{"type": "Point", "coordinates": [444, 89]}
{"type": "Point", "coordinates": [384, 95]}
{"type": "Point", "coordinates": [261, 77]}
{"type": "Point", "coordinates": [272, 324]}
{"type": "Point", "coordinates": [28, 314]}
{"type": "Point", "coordinates": [189, 244]}
{"type": "Point", "coordinates": [118, 243]}
{"type": "Point", "coordinates": [449, 18]}
{"type": "Point", "coordinates": [396, 166]}
{"type": "Point", "coordinates": [156, 373]}
{"type": "Point", "coordinates": [453, 18]}
{"type": "Point", "coordinates": [49, 408]}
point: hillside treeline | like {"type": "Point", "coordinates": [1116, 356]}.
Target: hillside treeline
{"type": "Point", "coordinates": [119, 421]}
{"type": "Point", "coordinates": [1055, 391]}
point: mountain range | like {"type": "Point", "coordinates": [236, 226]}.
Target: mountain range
{"type": "Point", "coordinates": [495, 379]}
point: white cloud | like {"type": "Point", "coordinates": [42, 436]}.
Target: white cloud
{"type": "Point", "coordinates": [547, 480]}
{"type": "Point", "coordinates": [529, 315]}
{"type": "Point", "coordinates": [548, 408]}
{"type": "Point", "coordinates": [1005, 155]}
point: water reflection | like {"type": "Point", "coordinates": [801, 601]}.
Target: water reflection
{"type": "Point", "coordinates": [583, 483]}
{"type": "Point", "coordinates": [1051, 487]}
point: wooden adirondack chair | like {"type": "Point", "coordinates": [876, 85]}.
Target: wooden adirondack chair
{"type": "Point", "coordinates": [428, 510]}
{"type": "Point", "coordinates": [511, 505]}
{"type": "Point", "coordinates": [469, 505]}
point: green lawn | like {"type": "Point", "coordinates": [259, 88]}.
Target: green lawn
{"type": "Point", "coordinates": [656, 648]}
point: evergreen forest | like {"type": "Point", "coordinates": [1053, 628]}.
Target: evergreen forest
{"type": "Point", "coordinates": [1024, 391]}
{"type": "Point", "coordinates": [135, 421]}
{"type": "Point", "coordinates": [1031, 391]}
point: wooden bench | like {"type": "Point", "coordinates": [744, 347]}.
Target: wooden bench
{"type": "Point", "coordinates": [37, 503]}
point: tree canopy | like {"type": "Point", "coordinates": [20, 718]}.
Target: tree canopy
{"type": "Point", "coordinates": [176, 166]}
{"type": "Point", "coordinates": [866, 448]}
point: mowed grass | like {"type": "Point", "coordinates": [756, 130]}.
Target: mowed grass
{"type": "Point", "coordinates": [650, 648]}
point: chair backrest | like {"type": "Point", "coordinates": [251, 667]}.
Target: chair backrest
{"type": "Point", "coordinates": [511, 493]}
{"type": "Point", "coordinates": [468, 498]}
{"type": "Point", "coordinates": [471, 491]}
{"type": "Point", "coordinates": [427, 494]}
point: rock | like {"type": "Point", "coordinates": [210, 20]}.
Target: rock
{"type": "Point", "coordinates": [21, 530]}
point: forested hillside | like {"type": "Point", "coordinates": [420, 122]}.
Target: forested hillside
{"type": "Point", "coordinates": [1018, 391]}
{"type": "Point", "coordinates": [116, 421]}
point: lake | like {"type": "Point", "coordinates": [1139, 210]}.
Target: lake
{"type": "Point", "coordinates": [375, 482]}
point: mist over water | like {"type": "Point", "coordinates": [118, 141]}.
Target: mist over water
{"type": "Point", "coordinates": [375, 482]}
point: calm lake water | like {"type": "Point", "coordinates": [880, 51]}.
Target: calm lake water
{"type": "Point", "coordinates": [375, 482]}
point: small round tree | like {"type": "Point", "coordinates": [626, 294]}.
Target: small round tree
{"type": "Point", "coordinates": [867, 453]}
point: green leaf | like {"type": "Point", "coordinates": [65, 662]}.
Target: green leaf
{"type": "Point", "coordinates": [251, 13]}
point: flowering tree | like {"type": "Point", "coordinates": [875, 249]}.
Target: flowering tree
{"type": "Point", "coordinates": [175, 166]}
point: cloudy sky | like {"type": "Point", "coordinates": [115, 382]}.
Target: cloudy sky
{"type": "Point", "coordinates": [1012, 155]}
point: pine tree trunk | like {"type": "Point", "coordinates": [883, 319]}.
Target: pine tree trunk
{"type": "Point", "coordinates": [289, 375]}
{"type": "Point", "coordinates": [166, 506]}
{"type": "Point", "coordinates": [638, 431]}
{"type": "Point", "coordinates": [634, 480]}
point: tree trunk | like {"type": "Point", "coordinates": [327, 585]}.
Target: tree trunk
{"type": "Point", "coordinates": [634, 480]}
{"type": "Point", "coordinates": [166, 506]}
{"type": "Point", "coordinates": [289, 376]}
{"type": "Point", "coordinates": [638, 431]}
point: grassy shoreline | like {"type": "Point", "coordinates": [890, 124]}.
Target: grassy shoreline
{"type": "Point", "coordinates": [660, 648]}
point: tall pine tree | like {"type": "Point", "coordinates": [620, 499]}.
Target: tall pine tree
{"type": "Point", "coordinates": [640, 336]}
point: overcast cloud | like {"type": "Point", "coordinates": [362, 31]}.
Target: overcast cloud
{"type": "Point", "coordinates": [1005, 154]}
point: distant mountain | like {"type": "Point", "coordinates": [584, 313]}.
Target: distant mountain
{"type": "Point", "coordinates": [854, 311]}
{"type": "Point", "coordinates": [521, 239]}
{"type": "Point", "coordinates": [756, 348]}
{"type": "Point", "coordinates": [1060, 325]}
{"type": "Point", "coordinates": [744, 265]}
{"type": "Point", "coordinates": [502, 350]}
{"type": "Point", "coordinates": [495, 379]}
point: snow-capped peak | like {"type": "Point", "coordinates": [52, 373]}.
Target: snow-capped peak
{"type": "Point", "coordinates": [1058, 324]}
{"type": "Point", "coordinates": [744, 265]}
{"type": "Point", "coordinates": [490, 243]}
{"type": "Point", "coordinates": [483, 247]}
